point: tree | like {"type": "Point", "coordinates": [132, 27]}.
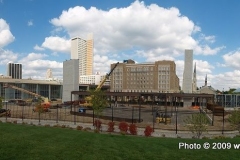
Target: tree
{"type": "Point", "coordinates": [197, 124]}
{"type": "Point", "coordinates": [98, 102]}
{"type": "Point", "coordinates": [234, 119]}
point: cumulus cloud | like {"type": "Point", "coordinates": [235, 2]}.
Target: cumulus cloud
{"type": "Point", "coordinates": [57, 44]}
{"type": "Point", "coordinates": [6, 36]}
{"type": "Point", "coordinates": [102, 64]}
{"type": "Point", "coordinates": [232, 59]}
{"type": "Point", "coordinates": [146, 27]}
{"type": "Point", "coordinates": [36, 65]}
{"type": "Point", "coordinates": [33, 56]}
{"type": "Point", "coordinates": [226, 80]}
{"type": "Point", "coordinates": [7, 56]}
{"type": "Point", "coordinates": [38, 48]}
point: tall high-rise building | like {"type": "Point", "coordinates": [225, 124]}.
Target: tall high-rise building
{"type": "Point", "coordinates": [188, 70]}
{"type": "Point", "coordinates": [14, 70]}
{"type": "Point", "coordinates": [83, 50]}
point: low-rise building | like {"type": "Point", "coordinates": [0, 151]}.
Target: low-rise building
{"type": "Point", "coordinates": [159, 76]}
{"type": "Point", "coordinates": [45, 88]}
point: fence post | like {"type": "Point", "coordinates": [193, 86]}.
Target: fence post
{"type": "Point", "coordinates": [6, 110]}
{"type": "Point", "coordinates": [57, 115]}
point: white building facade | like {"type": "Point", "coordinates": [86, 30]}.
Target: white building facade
{"type": "Point", "coordinates": [188, 72]}
{"type": "Point", "coordinates": [91, 79]}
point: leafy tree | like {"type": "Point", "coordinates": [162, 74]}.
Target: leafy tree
{"type": "Point", "coordinates": [234, 119]}
{"type": "Point", "coordinates": [197, 124]}
{"type": "Point", "coordinates": [98, 101]}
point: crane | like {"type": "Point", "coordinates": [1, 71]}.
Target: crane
{"type": "Point", "coordinates": [45, 102]}
{"type": "Point", "coordinates": [88, 98]}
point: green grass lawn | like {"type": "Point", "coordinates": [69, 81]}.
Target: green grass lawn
{"type": "Point", "coordinates": [25, 142]}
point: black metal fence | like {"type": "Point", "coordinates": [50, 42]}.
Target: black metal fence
{"type": "Point", "coordinates": [170, 117]}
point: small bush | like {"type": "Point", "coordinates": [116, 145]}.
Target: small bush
{"type": "Point", "coordinates": [63, 126]}
{"type": "Point", "coordinates": [133, 129]}
{"type": "Point", "coordinates": [87, 129]}
{"type": "Point", "coordinates": [15, 122]}
{"type": "Point", "coordinates": [111, 127]}
{"type": "Point", "coordinates": [148, 131]}
{"type": "Point", "coordinates": [123, 127]}
{"type": "Point", "coordinates": [79, 127]}
{"type": "Point", "coordinates": [163, 135]}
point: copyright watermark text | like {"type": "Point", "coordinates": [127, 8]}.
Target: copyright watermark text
{"type": "Point", "coordinates": [208, 145]}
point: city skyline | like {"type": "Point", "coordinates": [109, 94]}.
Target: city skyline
{"type": "Point", "coordinates": [39, 36]}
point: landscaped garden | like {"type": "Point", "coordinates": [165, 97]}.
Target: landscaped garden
{"type": "Point", "coordinates": [19, 141]}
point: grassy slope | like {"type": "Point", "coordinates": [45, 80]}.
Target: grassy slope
{"type": "Point", "coordinates": [31, 142]}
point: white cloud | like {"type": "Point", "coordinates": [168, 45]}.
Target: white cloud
{"type": "Point", "coordinates": [35, 66]}
{"type": "Point", "coordinates": [30, 23]}
{"type": "Point", "coordinates": [33, 56]}
{"type": "Point", "coordinates": [139, 32]}
{"type": "Point", "coordinates": [38, 48]}
{"type": "Point", "coordinates": [146, 27]}
{"type": "Point", "coordinates": [57, 44]}
{"type": "Point", "coordinates": [6, 36]}
{"type": "Point", "coordinates": [232, 59]}
{"type": "Point", "coordinates": [210, 39]}
{"type": "Point", "coordinates": [7, 56]}
{"type": "Point", "coordinates": [227, 80]}
{"type": "Point", "coordinates": [102, 64]}
{"type": "Point", "coordinates": [206, 50]}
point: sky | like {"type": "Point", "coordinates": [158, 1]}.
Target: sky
{"type": "Point", "coordinates": [37, 34]}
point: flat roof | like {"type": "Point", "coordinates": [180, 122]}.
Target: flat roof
{"type": "Point", "coordinates": [30, 81]}
{"type": "Point", "coordinates": [182, 95]}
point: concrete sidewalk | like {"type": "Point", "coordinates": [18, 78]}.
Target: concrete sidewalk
{"type": "Point", "coordinates": [156, 133]}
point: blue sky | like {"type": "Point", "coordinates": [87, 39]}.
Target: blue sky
{"type": "Point", "coordinates": [36, 33]}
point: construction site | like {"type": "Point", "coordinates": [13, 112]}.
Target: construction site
{"type": "Point", "coordinates": [166, 111]}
